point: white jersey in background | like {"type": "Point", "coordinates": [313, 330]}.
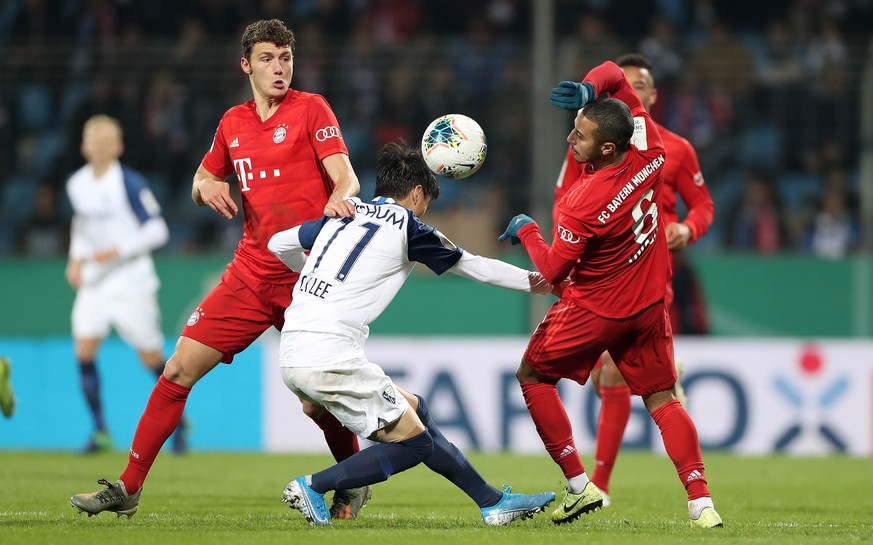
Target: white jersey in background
{"type": "Point", "coordinates": [357, 265]}
{"type": "Point", "coordinates": [116, 210]}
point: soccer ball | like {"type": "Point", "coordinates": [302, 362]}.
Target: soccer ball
{"type": "Point", "coordinates": [454, 146]}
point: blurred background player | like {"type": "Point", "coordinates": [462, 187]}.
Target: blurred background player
{"type": "Point", "coordinates": [356, 267]}
{"type": "Point", "coordinates": [7, 395]}
{"type": "Point", "coordinates": [611, 244]}
{"type": "Point", "coordinates": [291, 163]}
{"type": "Point", "coordinates": [116, 224]}
{"type": "Point", "coordinates": [681, 174]}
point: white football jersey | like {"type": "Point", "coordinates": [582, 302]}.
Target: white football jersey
{"type": "Point", "coordinates": [116, 210]}
{"type": "Point", "coordinates": [357, 265]}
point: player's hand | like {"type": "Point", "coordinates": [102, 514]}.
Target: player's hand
{"type": "Point", "coordinates": [538, 284]}
{"type": "Point", "coordinates": [678, 235]}
{"type": "Point", "coordinates": [515, 224]}
{"type": "Point", "coordinates": [106, 255]}
{"type": "Point", "coordinates": [73, 273]}
{"type": "Point", "coordinates": [570, 95]}
{"type": "Point", "coordinates": [340, 209]}
{"type": "Point", "coordinates": [216, 195]}
{"type": "Point", "coordinates": [558, 289]}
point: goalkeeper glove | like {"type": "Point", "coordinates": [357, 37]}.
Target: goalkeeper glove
{"type": "Point", "coordinates": [570, 95]}
{"type": "Point", "coordinates": [515, 224]}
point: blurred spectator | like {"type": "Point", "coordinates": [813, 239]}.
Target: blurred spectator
{"type": "Point", "coordinates": [723, 64]}
{"type": "Point", "coordinates": [476, 58]}
{"type": "Point", "coordinates": [391, 22]}
{"type": "Point", "coordinates": [96, 35]}
{"type": "Point", "coordinates": [755, 222]}
{"type": "Point", "coordinates": [689, 314]}
{"type": "Point", "coordinates": [44, 233]}
{"type": "Point", "coordinates": [834, 232]}
{"type": "Point", "coordinates": [590, 43]}
{"type": "Point", "coordinates": [779, 61]}
{"type": "Point", "coordinates": [661, 46]}
{"type": "Point", "coordinates": [165, 128]}
{"type": "Point", "coordinates": [764, 85]}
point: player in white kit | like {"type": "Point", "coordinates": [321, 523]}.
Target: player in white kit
{"type": "Point", "coordinates": [353, 271]}
{"type": "Point", "coordinates": [116, 225]}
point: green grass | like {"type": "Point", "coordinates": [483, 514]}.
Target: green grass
{"type": "Point", "coordinates": [235, 498]}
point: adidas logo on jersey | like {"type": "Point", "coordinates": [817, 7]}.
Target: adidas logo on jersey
{"type": "Point", "coordinates": [235, 143]}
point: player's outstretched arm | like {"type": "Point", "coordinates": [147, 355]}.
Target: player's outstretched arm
{"type": "Point", "coordinates": [522, 229]}
{"type": "Point", "coordinates": [500, 274]}
{"type": "Point", "coordinates": [287, 247]}
{"type": "Point", "coordinates": [151, 235]}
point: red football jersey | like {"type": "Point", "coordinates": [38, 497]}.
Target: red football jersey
{"type": "Point", "coordinates": [608, 222]}
{"type": "Point", "coordinates": [281, 179]}
{"type": "Point", "coordinates": [681, 175]}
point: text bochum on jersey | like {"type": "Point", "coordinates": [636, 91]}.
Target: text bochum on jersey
{"type": "Point", "coordinates": [388, 215]}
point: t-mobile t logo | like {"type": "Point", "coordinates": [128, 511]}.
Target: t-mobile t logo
{"type": "Point", "coordinates": [246, 173]}
{"type": "Point", "coordinates": [243, 169]}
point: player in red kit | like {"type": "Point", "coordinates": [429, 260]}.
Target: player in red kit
{"type": "Point", "coordinates": [292, 165]}
{"type": "Point", "coordinates": [682, 176]}
{"type": "Point", "coordinates": [611, 242]}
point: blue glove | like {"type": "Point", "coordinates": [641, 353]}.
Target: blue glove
{"type": "Point", "coordinates": [515, 224]}
{"type": "Point", "coordinates": [570, 95]}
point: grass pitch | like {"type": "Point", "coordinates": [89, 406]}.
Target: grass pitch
{"type": "Point", "coordinates": [219, 498]}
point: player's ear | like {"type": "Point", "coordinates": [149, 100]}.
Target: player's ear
{"type": "Point", "coordinates": [607, 148]}
{"type": "Point", "coordinates": [244, 64]}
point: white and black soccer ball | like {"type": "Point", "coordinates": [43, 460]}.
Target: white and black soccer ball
{"type": "Point", "coordinates": [454, 146]}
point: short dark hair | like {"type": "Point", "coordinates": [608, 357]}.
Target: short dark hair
{"type": "Point", "coordinates": [614, 121]}
{"type": "Point", "coordinates": [272, 31]}
{"type": "Point", "coordinates": [399, 168]}
{"type": "Point", "coordinates": [634, 59]}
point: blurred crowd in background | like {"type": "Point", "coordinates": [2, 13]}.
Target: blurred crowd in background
{"type": "Point", "coordinates": [767, 91]}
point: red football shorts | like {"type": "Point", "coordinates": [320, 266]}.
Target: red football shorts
{"type": "Point", "coordinates": [236, 312]}
{"type": "Point", "coordinates": [570, 339]}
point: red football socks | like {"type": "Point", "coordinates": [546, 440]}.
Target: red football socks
{"type": "Point", "coordinates": [160, 418]}
{"type": "Point", "coordinates": [615, 411]}
{"type": "Point", "coordinates": [340, 440]}
{"type": "Point", "coordinates": [683, 447]}
{"type": "Point", "coordinates": [553, 425]}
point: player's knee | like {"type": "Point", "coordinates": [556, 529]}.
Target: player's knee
{"type": "Point", "coordinates": [610, 375]}
{"type": "Point", "coordinates": [313, 411]}
{"type": "Point", "coordinates": [525, 374]}
{"type": "Point", "coordinates": [422, 410]}
{"type": "Point", "coordinates": [421, 446]}
{"type": "Point", "coordinates": [656, 400]}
